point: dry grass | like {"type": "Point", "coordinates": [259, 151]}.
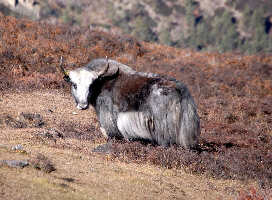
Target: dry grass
{"type": "Point", "coordinates": [80, 173]}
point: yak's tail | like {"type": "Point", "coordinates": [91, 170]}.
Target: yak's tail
{"type": "Point", "coordinates": [189, 122]}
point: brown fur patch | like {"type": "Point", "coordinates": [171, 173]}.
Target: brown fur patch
{"type": "Point", "coordinates": [131, 89]}
{"type": "Point", "coordinates": [129, 84]}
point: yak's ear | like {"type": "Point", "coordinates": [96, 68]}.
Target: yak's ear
{"type": "Point", "coordinates": [67, 78]}
{"type": "Point", "coordinates": [108, 70]}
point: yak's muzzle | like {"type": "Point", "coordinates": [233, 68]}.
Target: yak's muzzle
{"type": "Point", "coordinates": [82, 106]}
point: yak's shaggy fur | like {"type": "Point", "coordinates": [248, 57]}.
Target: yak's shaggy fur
{"type": "Point", "coordinates": [136, 105]}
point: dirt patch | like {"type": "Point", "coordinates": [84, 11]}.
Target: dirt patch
{"type": "Point", "coordinates": [24, 120]}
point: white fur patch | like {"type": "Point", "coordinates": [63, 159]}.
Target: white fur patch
{"type": "Point", "coordinates": [133, 125]}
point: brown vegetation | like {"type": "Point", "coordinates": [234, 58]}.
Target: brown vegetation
{"type": "Point", "coordinates": [41, 162]}
{"type": "Point", "coordinates": [233, 93]}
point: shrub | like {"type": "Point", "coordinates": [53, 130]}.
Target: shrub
{"type": "Point", "coordinates": [142, 30]}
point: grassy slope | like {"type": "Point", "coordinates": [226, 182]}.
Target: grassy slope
{"type": "Point", "coordinates": [233, 93]}
{"type": "Point", "coordinates": [81, 174]}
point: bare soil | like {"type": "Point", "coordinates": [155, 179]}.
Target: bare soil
{"type": "Point", "coordinates": [80, 173]}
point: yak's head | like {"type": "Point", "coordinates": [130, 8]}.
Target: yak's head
{"type": "Point", "coordinates": [81, 80]}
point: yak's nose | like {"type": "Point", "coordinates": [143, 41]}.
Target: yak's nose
{"type": "Point", "coordinates": [82, 106]}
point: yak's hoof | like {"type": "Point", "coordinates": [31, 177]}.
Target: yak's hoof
{"type": "Point", "coordinates": [103, 148]}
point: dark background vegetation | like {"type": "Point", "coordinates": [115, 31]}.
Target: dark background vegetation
{"type": "Point", "coordinates": [222, 31]}
{"type": "Point", "coordinates": [237, 25]}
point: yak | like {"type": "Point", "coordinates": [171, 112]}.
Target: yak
{"type": "Point", "coordinates": [135, 105]}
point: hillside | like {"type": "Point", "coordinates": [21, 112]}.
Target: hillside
{"type": "Point", "coordinates": [236, 25]}
{"type": "Point", "coordinates": [233, 93]}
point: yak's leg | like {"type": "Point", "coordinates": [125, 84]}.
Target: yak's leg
{"type": "Point", "coordinates": [104, 148]}
{"type": "Point", "coordinates": [135, 125]}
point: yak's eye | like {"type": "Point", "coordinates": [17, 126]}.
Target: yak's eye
{"type": "Point", "coordinates": [74, 86]}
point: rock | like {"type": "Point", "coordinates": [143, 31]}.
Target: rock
{"type": "Point", "coordinates": [17, 147]}
{"type": "Point", "coordinates": [29, 8]}
{"type": "Point", "coordinates": [15, 163]}
{"type": "Point", "coordinates": [31, 119]}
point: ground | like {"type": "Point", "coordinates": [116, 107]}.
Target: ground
{"type": "Point", "coordinates": [80, 173]}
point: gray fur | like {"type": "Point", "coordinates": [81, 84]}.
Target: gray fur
{"type": "Point", "coordinates": [144, 106]}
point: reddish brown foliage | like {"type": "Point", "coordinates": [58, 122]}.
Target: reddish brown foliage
{"type": "Point", "coordinates": [233, 93]}
{"type": "Point", "coordinates": [252, 194]}
{"type": "Point", "coordinates": [30, 52]}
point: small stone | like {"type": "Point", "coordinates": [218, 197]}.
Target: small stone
{"type": "Point", "coordinates": [74, 113]}
{"type": "Point", "coordinates": [17, 147]}
{"type": "Point", "coordinates": [15, 163]}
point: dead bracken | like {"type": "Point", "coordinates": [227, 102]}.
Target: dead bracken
{"type": "Point", "coordinates": [41, 162]}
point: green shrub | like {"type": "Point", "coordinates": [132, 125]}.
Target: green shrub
{"type": "Point", "coordinates": [142, 30]}
{"type": "Point", "coordinates": [165, 37]}
{"type": "Point", "coordinates": [162, 8]}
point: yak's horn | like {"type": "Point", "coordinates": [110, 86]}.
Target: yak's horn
{"type": "Point", "coordinates": [61, 68]}
{"type": "Point", "coordinates": [63, 71]}
{"type": "Point", "coordinates": [106, 68]}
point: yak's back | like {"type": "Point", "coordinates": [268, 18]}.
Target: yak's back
{"type": "Point", "coordinates": [99, 64]}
